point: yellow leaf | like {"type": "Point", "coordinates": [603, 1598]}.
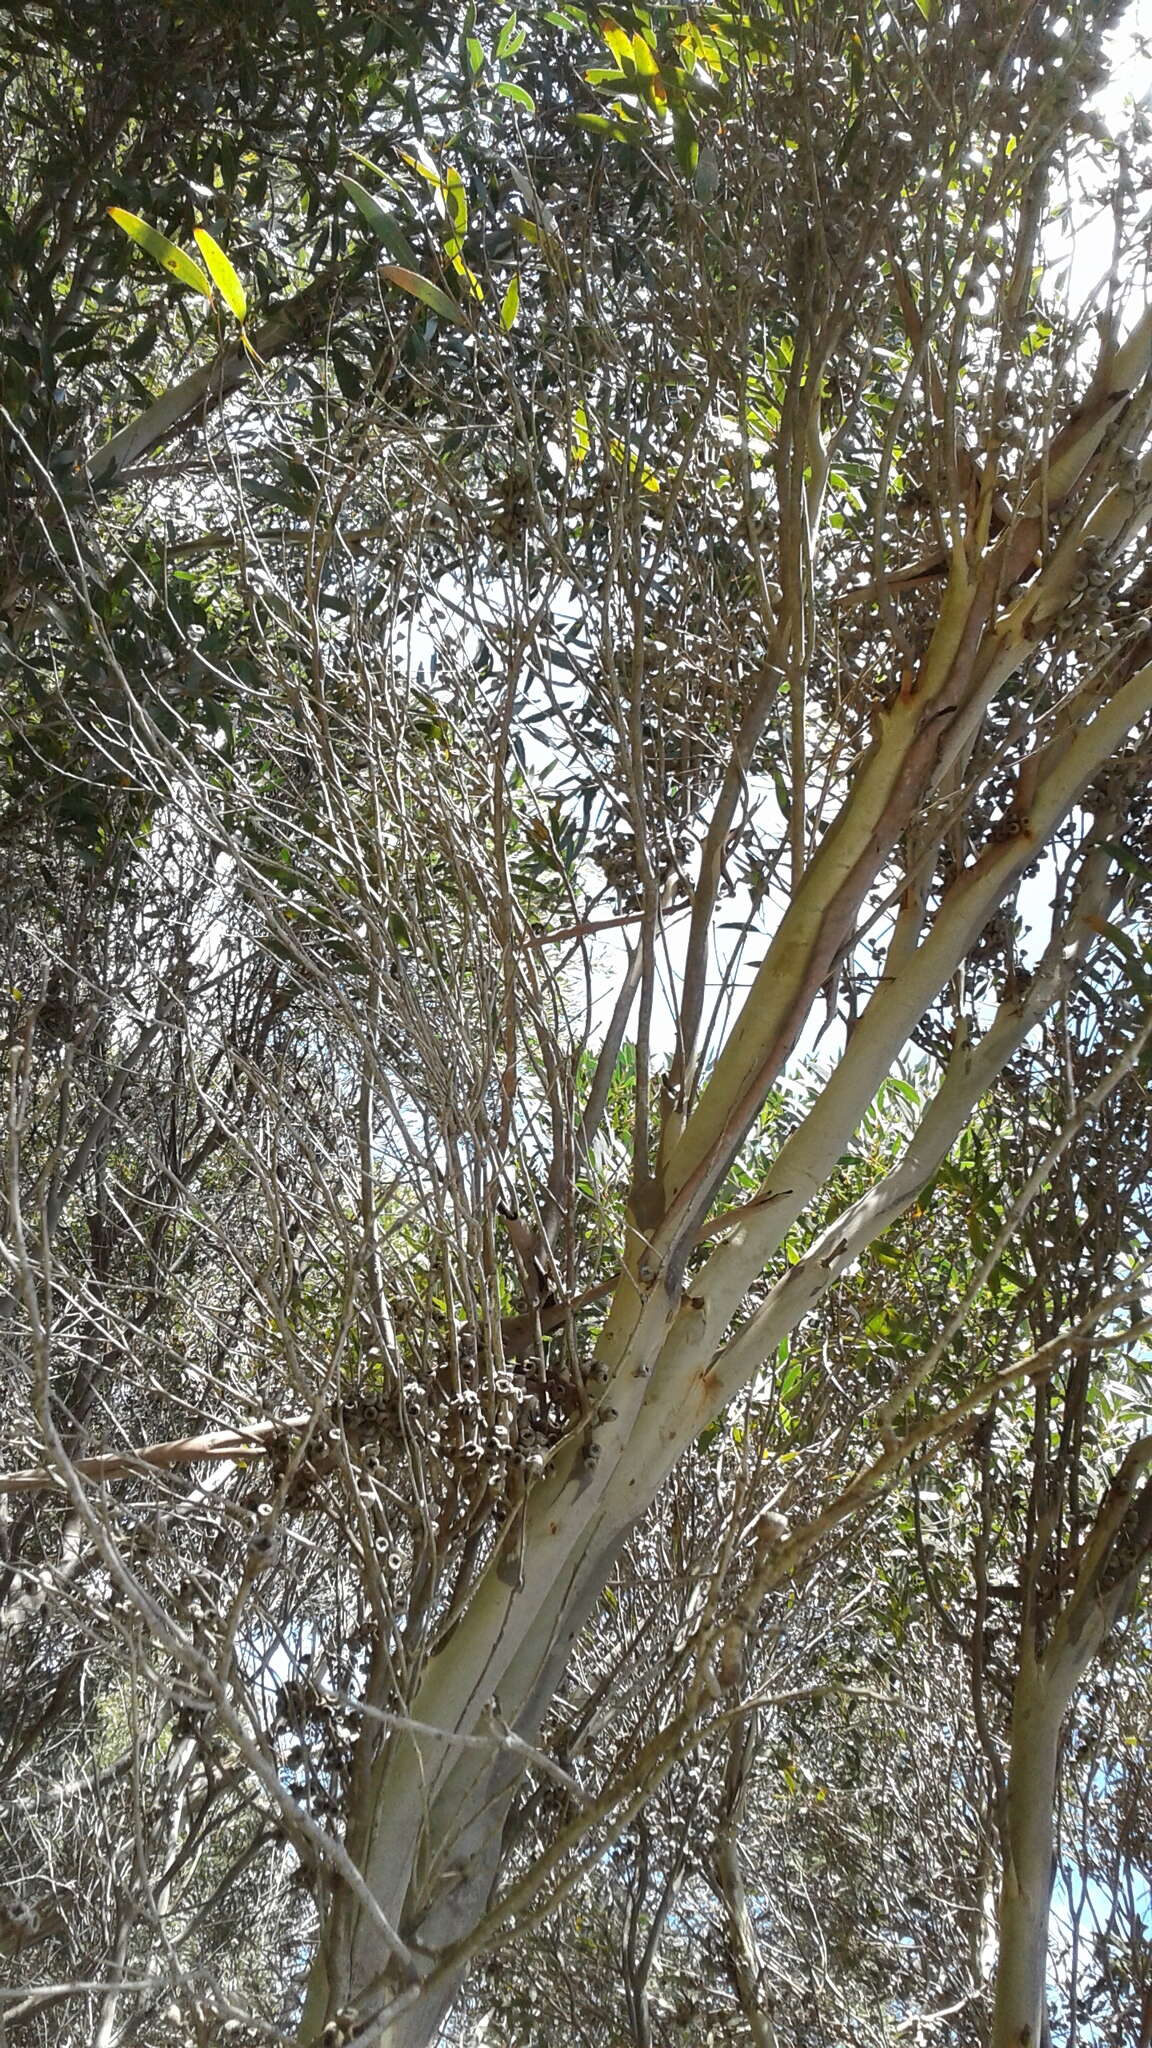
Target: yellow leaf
{"type": "Point", "coordinates": [619, 42]}
{"type": "Point", "coordinates": [581, 439]}
{"type": "Point", "coordinates": [222, 274]}
{"type": "Point", "coordinates": [456, 200]}
{"type": "Point", "coordinates": [162, 251]}
{"type": "Point", "coordinates": [423, 163]}
{"type": "Point", "coordinates": [644, 58]}
{"type": "Point", "coordinates": [453, 249]}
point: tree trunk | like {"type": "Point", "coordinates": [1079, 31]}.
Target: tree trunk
{"type": "Point", "coordinates": [1027, 1849]}
{"type": "Point", "coordinates": [1113, 1562]}
{"type": "Point", "coordinates": [463, 1828]}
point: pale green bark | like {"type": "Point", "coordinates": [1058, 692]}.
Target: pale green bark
{"type": "Point", "coordinates": [1027, 1850]}
{"type": "Point", "coordinates": [1114, 1560]}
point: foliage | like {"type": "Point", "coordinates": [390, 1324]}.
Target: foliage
{"type": "Point", "coordinates": [576, 932]}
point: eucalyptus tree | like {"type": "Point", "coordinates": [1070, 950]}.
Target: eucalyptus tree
{"type": "Point", "coordinates": [596, 619]}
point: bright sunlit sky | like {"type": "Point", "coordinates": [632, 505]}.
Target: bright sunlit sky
{"type": "Point", "coordinates": [1129, 90]}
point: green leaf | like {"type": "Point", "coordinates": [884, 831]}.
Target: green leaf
{"type": "Point", "coordinates": [517, 93]}
{"type": "Point", "coordinates": [475, 55]}
{"type": "Point", "coordinates": [381, 223]}
{"type": "Point", "coordinates": [510, 304]}
{"type": "Point", "coordinates": [685, 141]}
{"type": "Point", "coordinates": [511, 37]}
{"type": "Point", "coordinates": [1127, 859]}
{"type": "Point", "coordinates": [456, 200]}
{"type": "Point", "coordinates": [162, 251]}
{"type": "Point", "coordinates": [423, 289]}
{"type": "Point", "coordinates": [222, 274]}
{"type": "Point", "coordinates": [377, 169]}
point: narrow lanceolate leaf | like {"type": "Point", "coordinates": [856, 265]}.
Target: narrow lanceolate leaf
{"type": "Point", "coordinates": [456, 200]}
{"type": "Point", "coordinates": [381, 223]}
{"type": "Point", "coordinates": [510, 304]}
{"type": "Point", "coordinates": [644, 58]}
{"type": "Point", "coordinates": [618, 41]}
{"type": "Point", "coordinates": [222, 274]}
{"type": "Point", "coordinates": [162, 251]}
{"type": "Point", "coordinates": [422, 288]}
{"type": "Point", "coordinates": [511, 37]}
{"type": "Point", "coordinates": [516, 93]}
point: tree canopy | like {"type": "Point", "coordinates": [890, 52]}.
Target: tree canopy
{"type": "Point", "coordinates": [576, 661]}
